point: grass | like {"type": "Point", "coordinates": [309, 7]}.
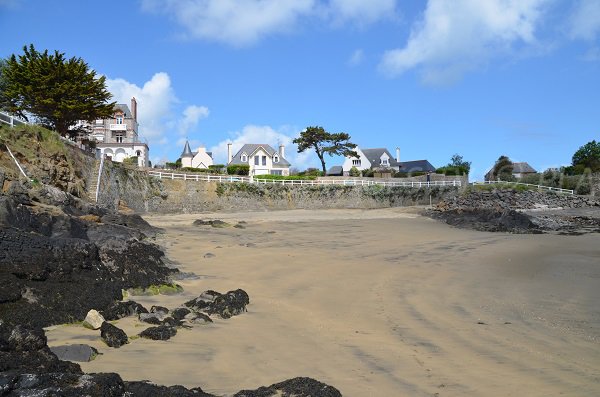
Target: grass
{"type": "Point", "coordinates": [162, 289]}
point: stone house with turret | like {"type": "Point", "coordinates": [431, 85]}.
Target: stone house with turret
{"type": "Point", "coordinates": [198, 159]}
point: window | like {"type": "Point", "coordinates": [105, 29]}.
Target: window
{"type": "Point", "coordinates": [138, 153]}
{"type": "Point", "coordinates": [356, 163]}
{"type": "Point", "coordinates": [99, 122]}
{"type": "Point", "coordinates": [385, 162]}
{"type": "Point", "coordinates": [119, 138]}
{"type": "Point", "coordinates": [276, 172]}
{"type": "Point", "coordinates": [119, 119]}
{"type": "Point", "coordinates": [276, 159]}
{"type": "Point", "coordinates": [264, 160]}
{"type": "Point", "coordinates": [244, 157]}
{"type": "Point", "coordinates": [256, 160]}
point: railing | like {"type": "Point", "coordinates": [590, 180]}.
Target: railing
{"type": "Point", "coordinates": [11, 120]}
{"type": "Point", "coordinates": [118, 127]}
{"type": "Point", "coordinates": [301, 182]}
{"type": "Point", "coordinates": [540, 187]}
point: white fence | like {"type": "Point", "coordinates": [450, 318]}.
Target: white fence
{"type": "Point", "coordinates": [540, 187]}
{"type": "Point", "coordinates": [298, 182]}
{"type": "Point", "coordinates": [11, 120]}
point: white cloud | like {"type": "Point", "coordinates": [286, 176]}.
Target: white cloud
{"type": "Point", "coordinates": [270, 136]}
{"type": "Point", "coordinates": [161, 123]}
{"type": "Point", "coordinates": [237, 22]}
{"type": "Point", "coordinates": [357, 57]}
{"type": "Point", "coordinates": [584, 22]}
{"type": "Point", "coordinates": [460, 35]}
{"type": "Point", "coordinates": [245, 22]}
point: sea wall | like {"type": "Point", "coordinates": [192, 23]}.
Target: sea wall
{"type": "Point", "coordinates": [124, 187]}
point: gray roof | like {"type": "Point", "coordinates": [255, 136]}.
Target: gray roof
{"type": "Point", "coordinates": [250, 148]}
{"type": "Point", "coordinates": [523, 168]}
{"type": "Point", "coordinates": [374, 156]}
{"type": "Point", "coordinates": [123, 108]}
{"type": "Point", "coordinates": [187, 152]}
{"type": "Point", "coordinates": [416, 166]}
{"type": "Point", "coordinates": [335, 170]}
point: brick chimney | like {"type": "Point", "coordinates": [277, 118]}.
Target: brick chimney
{"type": "Point", "coordinates": [134, 108]}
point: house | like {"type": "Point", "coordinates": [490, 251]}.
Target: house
{"type": "Point", "coordinates": [198, 159]}
{"type": "Point", "coordinates": [117, 136]}
{"type": "Point", "coordinates": [381, 158]}
{"type": "Point", "coordinates": [261, 158]}
{"type": "Point", "coordinates": [519, 171]}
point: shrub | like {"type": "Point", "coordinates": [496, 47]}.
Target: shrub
{"type": "Point", "coordinates": [131, 161]}
{"type": "Point", "coordinates": [287, 178]}
{"type": "Point", "coordinates": [311, 172]}
{"type": "Point", "coordinates": [238, 169]}
{"type": "Point", "coordinates": [452, 170]}
{"type": "Point", "coordinates": [354, 172]}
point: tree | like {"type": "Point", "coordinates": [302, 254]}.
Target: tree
{"type": "Point", "coordinates": [57, 91]}
{"type": "Point", "coordinates": [324, 142]}
{"type": "Point", "coordinates": [503, 169]}
{"type": "Point", "coordinates": [457, 161]}
{"type": "Point", "coordinates": [588, 156]}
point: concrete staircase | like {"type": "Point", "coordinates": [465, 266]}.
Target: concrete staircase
{"type": "Point", "coordinates": [93, 185]}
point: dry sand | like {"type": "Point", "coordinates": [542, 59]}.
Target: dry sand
{"type": "Point", "coordinates": [375, 303]}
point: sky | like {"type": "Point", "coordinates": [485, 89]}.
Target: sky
{"type": "Point", "coordinates": [480, 78]}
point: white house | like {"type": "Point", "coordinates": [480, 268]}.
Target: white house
{"type": "Point", "coordinates": [382, 158]}
{"type": "Point", "coordinates": [117, 136]}
{"type": "Point", "coordinates": [261, 158]}
{"type": "Point", "coordinates": [198, 159]}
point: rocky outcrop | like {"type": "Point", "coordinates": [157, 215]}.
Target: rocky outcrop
{"type": "Point", "coordinates": [297, 387]}
{"type": "Point", "coordinates": [225, 305]}
{"type": "Point", "coordinates": [520, 212]}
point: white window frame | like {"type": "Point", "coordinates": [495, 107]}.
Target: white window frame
{"type": "Point", "coordinates": [356, 163]}
{"type": "Point", "coordinates": [276, 159]}
{"type": "Point", "coordinates": [244, 157]}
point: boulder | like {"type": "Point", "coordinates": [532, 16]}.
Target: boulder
{"type": "Point", "coordinates": [180, 313]}
{"type": "Point", "coordinates": [146, 389]}
{"type": "Point", "coordinates": [297, 387]}
{"type": "Point", "coordinates": [159, 310]}
{"type": "Point", "coordinates": [113, 336]}
{"type": "Point", "coordinates": [93, 320]}
{"type": "Point", "coordinates": [77, 352]}
{"type": "Point", "coordinates": [118, 310]}
{"type": "Point", "coordinates": [225, 305]}
{"type": "Point", "coordinates": [198, 318]}
{"type": "Point", "coordinates": [161, 332]}
{"type": "Point", "coordinates": [151, 318]}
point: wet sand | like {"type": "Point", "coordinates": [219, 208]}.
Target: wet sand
{"type": "Point", "coordinates": [375, 303]}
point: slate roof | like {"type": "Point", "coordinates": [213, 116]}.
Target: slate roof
{"type": "Point", "coordinates": [416, 166]}
{"type": "Point", "coordinates": [335, 170]}
{"type": "Point", "coordinates": [123, 108]}
{"type": "Point", "coordinates": [250, 148]}
{"type": "Point", "coordinates": [523, 168]}
{"type": "Point", "coordinates": [187, 152]}
{"type": "Point", "coordinates": [374, 157]}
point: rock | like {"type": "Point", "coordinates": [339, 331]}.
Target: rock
{"type": "Point", "coordinates": [209, 255]}
{"type": "Point", "coordinates": [198, 318]}
{"type": "Point", "coordinates": [161, 332]}
{"type": "Point", "coordinates": [77, 352]}
{"type": "Point", "coordinates": [23, 338]}
{"type": "Point", "coordinates": [297, 387]}
{"type": "Point", "coordinates": [151, 318]}
{"type": "Point", "coordinates": [118, 310]}
{"type": "Point", "coordinates": [239, 226]}
{"type": "Point", "coordinates": [180, 313]}
{"type": "Point", "coordinates": [159, 310]}
{"type": "Point", "coordinates": [145, 389]}
{"type": "Point", "coordinates": [225, 305]}
{"type": "Point", "coordinates": [113, 336]}
{"type": "Point", "coordinates": [214, 223]}
{"type": "Point", "coordinates": [93, 320]}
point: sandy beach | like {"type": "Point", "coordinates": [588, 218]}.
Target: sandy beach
{"type": "Point", "coordinates": [375, 303]}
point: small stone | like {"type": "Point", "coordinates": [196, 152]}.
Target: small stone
{"type": "Point", "coordinates": [198, 318]}
{"type": "Point", "coordinates": [159, 310]}
{"type": "Point", "coordinates": [180, 313]}
{"type": "Point", "coordinates": [93, 320]}
{"type": "Point", "coordinates": [151, 318]}
{"type": "Point", "coordinates": [239, 226]}
{"type": "Point", "coordinates": [162, 332]}
{"type": "Point", "coordinates": [209, 255]}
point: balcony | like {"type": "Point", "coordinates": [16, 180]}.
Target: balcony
{"type": "Point", "coordinates": [118, 127]}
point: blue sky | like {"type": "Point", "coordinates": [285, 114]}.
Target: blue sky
{"type": "Point", "coordinates": [481, 78]}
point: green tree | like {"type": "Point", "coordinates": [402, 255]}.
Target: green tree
{"type": "Point", "coordinates": [56, 91]}
{"type": "Point", "coordinates": [503, 169]}
{"type": "Point", "coordinates": [324, 142]}
{"type": "Point", "coordinates": [354, 172]}
{"type": "Point", "coordinates": [588, 156]}
{"type": "Point", "coordinates": [457, 161]}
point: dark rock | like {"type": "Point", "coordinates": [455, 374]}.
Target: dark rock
{"type": "Point", "coordinates": [296, 387]}
{"type": "Point", "coordinates": [180, 313]}
{"type": "Point", "coordinates": [77, 352]}
{"type": "Point", "coordinates": [225, 305]}
{"type": "Point", "coordinates": [214, 223]}
{"type": "Point", "coordinates": [198, 318]}
{"type": "Point", "coordinates": [145, 389]}
{"type": "Point", "coordinates": [171, 322]}
{"type": "Point", "coordinates": [162, 332]}
{"type": "Point", "coordinates": [22, 338]}
{"type": "Point", "coordinates": [113, 336]}
{"type": "Point", "coordinates": [159, 310]}
{"type": "Point", "coordinates": [151, 318]}
{"type": "Point", "coordinates": [118, 310]}
{"type": "Point", "coordinates": [209, 255]}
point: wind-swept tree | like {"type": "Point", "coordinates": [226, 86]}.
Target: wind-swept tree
{"type": "Point", "coordinates": [56, 91]}
{"type": "Point", "coordinates": [503, 169]}
{"type": "Point", "coordinates": [588, 156]}
{"type": "Point", "coordinates": [324, 142]}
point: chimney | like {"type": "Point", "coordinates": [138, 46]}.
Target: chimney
{"type": "Point", "coordinates": [134, 108]}
{"type": "Point", "coordinates": [228, 153]}
{"type": "Point", "coordinates": [398, 154]}
{"type": "Point", "coordinates": [281, 151]}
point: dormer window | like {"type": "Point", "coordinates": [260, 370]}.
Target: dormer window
{"type": "Point", "coordinates": [244, 157]}
{"type": "Point", "coordinates": [276, 159]}
{"type": "Point", "coordinates": [385, 162]}
{"type": "Point", "coordinates": [119, 119]}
